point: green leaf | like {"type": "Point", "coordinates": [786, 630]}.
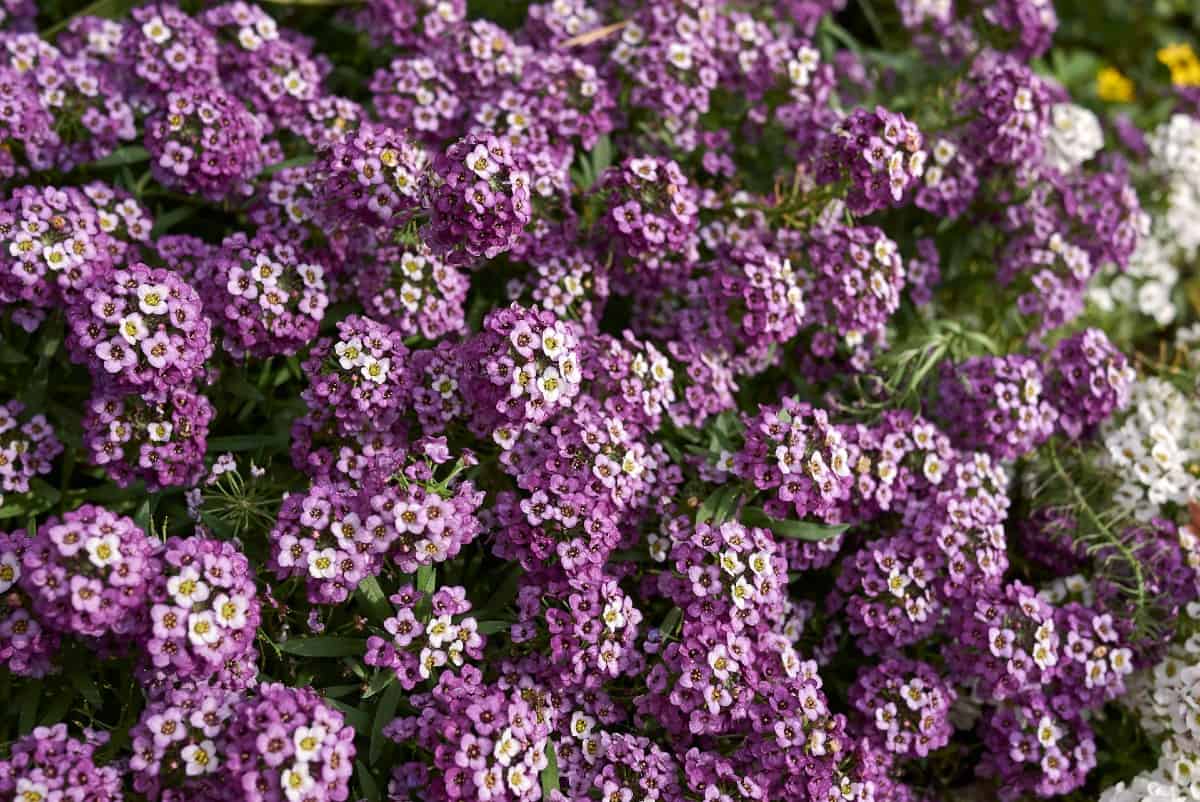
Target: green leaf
{"type": "Point", "coordinates": [383, 716]}
{"type": "Point", "coordinates": [671, 621]}
{"type": "Point", "coordinates": [720, 503]}
{"type": "Point", "coordinates": [131, 154]}
{"type": "Point", "coordinates": [379, 682]}
{"type": "Point", "coordinates": [338, 691]}
{"type": "Point", "coordinates": [87, 687]}
{"type": "Point", "coordinates": [366, 782]}
{"type": "Point", "coordinates": [797, 530]}
{"type": "Point", "coordinates": [28, 715]}
{"type": "Point", "coordinates": [167, 220]}
{"type": "Point", "coordinates": [359, 720]}
{"type": "Point", "coordinates": [602, 155]}
{"type": "Point", "coordinates": [492, 627]}
{"type": "Point", "coordinates": [143, 516]}
{"type": "Point", "coordinates": [372, 600]}
{"type": "Point", "coordinates": [58, 708]}
{"type": "Point", "coordinates": [426, 579]}
{"type": "Point", "coordinates": [324, 646]}
{"type": "Point", "coordinates": [298, 161]}
{"type": "Point", "coordinates": [246, 442]}
{"type": "Point", "coordinates": [550, 773]}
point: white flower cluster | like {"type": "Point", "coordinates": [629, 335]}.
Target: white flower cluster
{"type": "Point", "coordinates": [1167, 699]}
{"type": "Point", "coordinates": [1154, 447]}
{"type": "Point", "coordinates": [1175, 156]}
{"type": "Point", "coordinates": [1074, 136]}
{"type": "Point", "coordinates": [1145, 285]}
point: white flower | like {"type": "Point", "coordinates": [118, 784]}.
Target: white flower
{"type": "Point", "coordinates": [349, 354]}
{"type": "Point", "coordinates": [231, 610]}
{"type": "Point", "coordinates": [613, 616]}
{"type": "Point", "coordinates": [152, 298]}
{"type": "Point", "coordinates": [296, 782]}
{"type": "Point", "coordinates": [518, 779]}
{"type": "Point", "coordinates": [375, 370]}
{"type": "Point", "coordinates": [156, 30]}
{"type": "Point", "coordinates": [30, 791]}
{"type": "Point", "coordinates": [507, 747]}
{"type": "Point", "coordinates": [133, 328]}
{"type": "Point", "coordinates": [550, 385]}
{"type": "Point", "coordinates": [680, 55]}
{"type": "Point", "coordinates": [1048, 732]}
{"type": "Point", "coordinates": [307, 741]}
{"type": "Point", "coordinates": [203, 629]}
{"type": "Point", "coordinates": [200, 758]}
{"type": "Point", "coordinates": [553, 343]}
{"type": "Point", "coordinates": [186, 587]}
{"type": "Point", "coordinates": [103, 551]}
{"type": "Point", "coordinates": [10, 570]}
{"type": "Point", "coordinates": [480, 162]}
{"type": "Point", "coordinates": [160, 431]}
{"type": "Point", "coordinates": [322, 564]}
{"type": "Point", "coordinates": [249, 39]}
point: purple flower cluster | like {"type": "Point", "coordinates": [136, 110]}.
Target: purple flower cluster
{"type": "Point", "coordinates": [651, 212]}
{"type": "Point", "coordinates": [880, 156]}
{"type": "Point", "coordinates": [286, 744]}
{"type": "Point", "coordinates": [415, 293]}
{"type": "Point", "coordinates": [158, 436]}
{"type": "Point", "coordinates": [479, 199]}
{"type": "Point", "coordinates": [1088, 380]}
{"type": "Point", "coordinates": [90, 573]}
{"type": "Point", "coordinates": [372, 178]}
{"type": "Point", "coordinates": [996, 405]}
{"type": "Point", "coordinates": [204, 141]}
{"type": "Point", "coordinates": [905, 704]}
{"type": "Point", "coordinates": [28, 446]}
{"type": "Point", "coordinates": [27, 649]}
{"type": "Point", "coordinates": [266, 296]}
{"type": "Point", "coordinates": [419, 652]}
{"type": "Point", "coordinates": [139, 328]}
{"type": "Point", "coordinates": [204, 609]}
{"type": "Point", "coordinates": [48, 764]}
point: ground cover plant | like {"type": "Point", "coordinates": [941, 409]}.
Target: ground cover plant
{"type": "Point", "coordinates": [669, 401]}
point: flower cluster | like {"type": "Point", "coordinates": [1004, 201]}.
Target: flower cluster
{"type": "Point", "coordinates": [204, 610]}
{"type": "Point", "coordinates": [286, 744]}
{"type": "Point", "coordinates": [266, 296]}
{"type": "Point", "coordinates": [651, 212]}
{"type": "Point", "coordinates": [26, 647]}
{"type": "Point", "coordinates": [28, 446]}
{"type": "Point", "coordinates": [1003, 399]}
{"type": "Point", "coordinates": [479, 199]}
{"type": "Point", "coordinates": [906, 705]}
{"type": "Point", "coordinates": [138, 328]}
{"type": "Point", "coordinates": [1089, 381]}
{"type": "Point", "coordinates": [203, 140]}
{"type": "Point", "coordinates": [49, 764]}
{"type": "Point", "coordinates": [418, 652]}
{"type": "Point", "coordinates": [878, 154]}
{"type": "Point", "coordinates": [158, 436]}
{"type": "Point", "coordinates": [416, 293]}
{"type": "Point", "coordinates": [90, 573]}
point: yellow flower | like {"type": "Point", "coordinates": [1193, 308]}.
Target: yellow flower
{"type": "Point", "coordinates": [1183, 63]}
{"type": "Point", "coordinates": [1113, 87]}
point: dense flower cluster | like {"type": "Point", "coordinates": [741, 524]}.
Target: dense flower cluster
{"type": "Point", "coordinates": [90, 572]}
{"type": "Point", "coordinates": [567, 401]}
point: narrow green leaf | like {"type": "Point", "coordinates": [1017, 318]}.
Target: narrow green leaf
{"type": "Point", "coordinates": [246, 442]}
{"type": "Point", "coordinates": [58, 708]}
{"type": "Point", "coordinates": [366, 782]}
{"type": "Point", "coordinates": [492, 627]}
{"type": "Point", "coordinates": [797, 530]}
{"type": "Point", "coordinates": [550, 773]}
{"type": "Point", "coordinates": [324, 646]}
{"type": "Point", "coordinates": [86, 686]}
{"type": "Point", "coordinates": [379, 682]}
{"type": "Point", "coordinates": [426, 579]}
{"type": "Point", "coordinates": [168, 220]}
{"type": "Point", "coordinates": [142, 517]}
{"type": "Point", "coordinates": [338, 691]}
{"type": "Point", "coordinates": [383, 716]}
{"type": "Point", "coordinates": [28, 715]}
{"type": "Point", "coordinates": [671, 621]}
{"type": "Point", "coordinates": [360, 721]}
{"type": "Point", "coordinates": [716, 508]}
{"type": "Point", "coordinates": [131, 154]}
{"type": "Point", "coordinates": [298, 161]}
{"type": "Point", "coordinates": [372, 600]}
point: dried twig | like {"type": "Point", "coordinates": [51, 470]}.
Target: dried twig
{"type": "Point", "coordinates": [594, 35]}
